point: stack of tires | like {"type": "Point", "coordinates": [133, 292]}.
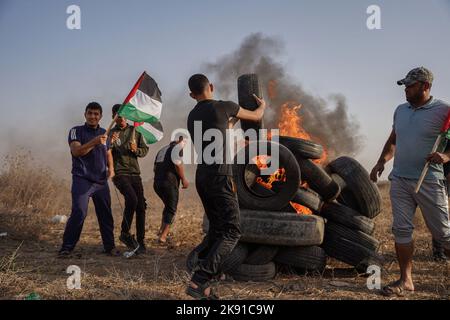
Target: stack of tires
{"type": "Point", "coordinates": [340, 195]}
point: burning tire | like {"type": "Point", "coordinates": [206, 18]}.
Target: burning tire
{"type": "Point", "coordinates": [318, 180]}
{"type": "Point", "coordinates": [309, 199]}
{"type": "Point", "coordinates": [236, 258]}
{"type": "Point", "coordinates": [246, 176]}
{"type": "Point", "coordinates": [281, 228]}
{"type": "Point", "coordinates": [256, 273]}
{"type": "Point", "coordinates": [334, 230]}
{"type": "Point", "coordinates": [350, 252]}
{"type": "Point", "coordinates": [303, 259]}
{"type": "Point", "coordinates": [304, 148]}
{"type": "Point", "coordinates": [248, 84]}
{"type": "Point", "coordinates": [261, 255]}
{"type": "Point", "coordinates": [347, 217]}
{"type": "Point", "coordinates": [365, 192]}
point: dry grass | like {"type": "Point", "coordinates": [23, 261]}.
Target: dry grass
{"type": "Point", "coordinates": [28, 260]}
{"type": "Point", "coordinates": [30, 195]}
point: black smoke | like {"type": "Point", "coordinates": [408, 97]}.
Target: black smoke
{"type": "Point", "coordinates": [326, 120]}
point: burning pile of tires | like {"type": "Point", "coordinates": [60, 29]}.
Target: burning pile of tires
{"type": "Point", "coordinates": [337, 205]}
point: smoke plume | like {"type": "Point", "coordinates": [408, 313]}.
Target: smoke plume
{"type": "Point", "coordinates": [326, 121]}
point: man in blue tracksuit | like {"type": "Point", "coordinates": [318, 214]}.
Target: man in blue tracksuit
{"type": "Point", "coordinates": [92, 165]}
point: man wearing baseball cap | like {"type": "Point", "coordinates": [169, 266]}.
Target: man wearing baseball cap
{"type": "Point", "coordinates": [416, 126]}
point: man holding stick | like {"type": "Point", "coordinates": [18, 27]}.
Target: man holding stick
{"type": "Point", "coordinates": [417, 125]}
{"type": "Point", "coordinates": [127, 146]}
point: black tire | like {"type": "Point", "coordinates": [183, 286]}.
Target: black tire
{"type": "Point", "coordinates": [245, 178]}
{"type": "Point", "coordinates": [248, 84]}
{"type": "Point", "coordinates": [309, 199]}
{"type": "Point", "coordinates": [349, 252]}
{"type": "Point", "coordinates": [255, 273]}
{"type": "Point", "coordinates": [357, 180]}
{"type": "Point", "coordinates": [336, 178]}
{"type": "Point", "coordinates": [317, 179]}
{"type": "Point", "coordinates": [236, 257]}
{"type": "Point", "coordinates": [347, 217]}
{"type": "Point", "coordinates": [346, 197]}
{"type": "Point", "coordinates": [261, 255]}
{"type": "Point", "coordinates": [334, 229]}
{"type": "Point", "coordinates": [281, 228]}
{"type": "Point", "coordinates": [304, 148]}
{"type": "Point", "coordinates": [303, 259]}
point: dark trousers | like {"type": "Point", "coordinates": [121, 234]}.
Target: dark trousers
{"type": "Point", "coordinates": [132, 190]}
{"type": "Point", "coordinates": [222, 209]}
{"type": "Point", "coordinates": [82, 190]}
{"type": "Point", "coordinates": [168, 191]}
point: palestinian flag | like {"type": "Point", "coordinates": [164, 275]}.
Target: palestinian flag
{"type": "Point", "coordinates": [152, 132]}
{"type": "Point", "coordinates": [143, 103]}
{"type": "Point", "coordinates": [143, 106]}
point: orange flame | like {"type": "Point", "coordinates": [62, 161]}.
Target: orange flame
{"type": "Point", "coordinates": [291, 125]}
{"type": "Point", "coordinates": [261, 162]}
{"type": "Point", "coordinates": [301, 209]}
{"type": "Point", "coordinates": [279, 175]}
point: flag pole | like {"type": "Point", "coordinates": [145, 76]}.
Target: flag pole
{"type": "Point", "coordinates": [131, 94]}
{"type": "Point", "coordinates": [427, 165]}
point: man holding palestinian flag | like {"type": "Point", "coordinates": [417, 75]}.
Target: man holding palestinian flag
{"type": "Point", "coordinates": [128, 143]}
{"type": "Point", "coordinates": [417, 143]}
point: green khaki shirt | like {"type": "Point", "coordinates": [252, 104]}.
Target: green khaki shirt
{"type": "Point", "coordinates": [126, 161]}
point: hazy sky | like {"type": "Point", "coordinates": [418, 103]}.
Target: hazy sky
{"type": "Point", "coordinates": [49, 73]}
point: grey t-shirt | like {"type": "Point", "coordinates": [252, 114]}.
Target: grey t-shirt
{"type": "Point", "coordinates": [416, 131]}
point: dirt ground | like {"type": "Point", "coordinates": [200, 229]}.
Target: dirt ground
{"type": "Point", "coordinates": [28, 262]}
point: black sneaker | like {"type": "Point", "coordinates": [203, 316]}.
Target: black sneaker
{"type": "Point", "coordinates": [112, 252]}
{"type": "Point", "coordinates": [128, 241]}
{"type": "Point", "coordinates": [64, 253]}
{"type": "Point", "coordinates": [142, 249]}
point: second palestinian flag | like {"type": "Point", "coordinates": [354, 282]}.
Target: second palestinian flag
{"type": "Point", "coordinates": [152, 132]}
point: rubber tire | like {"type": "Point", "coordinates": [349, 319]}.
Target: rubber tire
{"type": "Point", "coordinates": [262, 254]}
{"type": "Point", "coordinates": [317, 179]}
{"type": "Point", "coordinates": [303, 259]}
{"type": "Point", "coordinates": [346, 197]}
{"type": "Point", "coordinates": [249, 199]}
{"type": "Point", "coordinates": [304, 148]}
{"type": "Point", "coordinates": [254, 273]}
{"type": "Point", "coordinates": [349, 252]}
{"type": "Point", "coordinates": [281, 228]}
{"type": "Point", "coordinates": [236, 258]}
{"type": "Point", "coordinates": [365, 240]}
{"type": "Point", "coordinates": [309, 199]}
{"type": "Point", "coordinates": [357, 179]}
{"type": "Point", "coordinates": [347, 217]}
{"type": "Point", "coordinates": [248, 84]}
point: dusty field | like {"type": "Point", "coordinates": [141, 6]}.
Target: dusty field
{"type": "Point", "coordinates": [28, 260]}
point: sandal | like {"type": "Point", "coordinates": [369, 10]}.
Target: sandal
{"type": "Point", "coordinates": [394, 289]}
{"type": "Point", "coordinates": [199, 292]}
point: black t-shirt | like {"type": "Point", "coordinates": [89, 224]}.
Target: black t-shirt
{"type": "Point", "coordinates": [164, 167]}
{"type": "Point", "coordinates": [213, 114]}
